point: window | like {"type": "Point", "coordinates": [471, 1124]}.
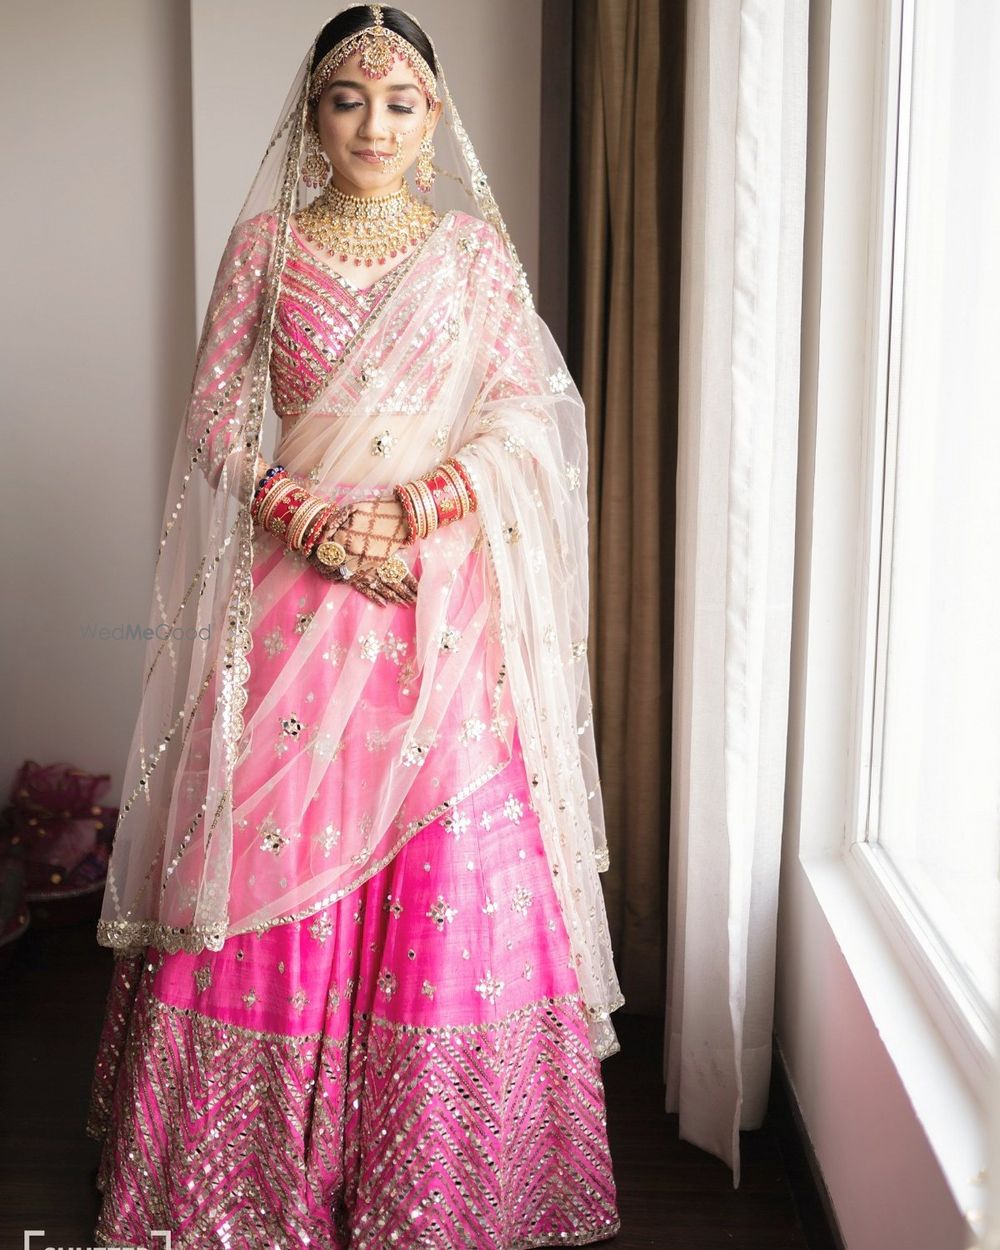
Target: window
{"type": "Point", "coordinates": [929, 841]}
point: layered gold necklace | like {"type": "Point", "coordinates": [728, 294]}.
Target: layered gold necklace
{"type": "Point", "coordinates": [366, 229]}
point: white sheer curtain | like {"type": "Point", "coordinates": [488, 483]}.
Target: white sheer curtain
{"type": "Point", "coordinates": [744, 186]}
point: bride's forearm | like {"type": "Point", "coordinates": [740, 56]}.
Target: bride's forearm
{"type": "Point", "coordinates": [437, 498]}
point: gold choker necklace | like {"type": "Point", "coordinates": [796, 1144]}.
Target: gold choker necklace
{"type": "Point", "coordinates": [366, 229]}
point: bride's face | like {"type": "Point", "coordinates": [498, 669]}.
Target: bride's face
{"type": "Point", "coordinates": [356, 115]}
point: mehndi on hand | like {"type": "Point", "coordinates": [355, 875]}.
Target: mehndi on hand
{"type": "Point", "coordinates": [369, 536]}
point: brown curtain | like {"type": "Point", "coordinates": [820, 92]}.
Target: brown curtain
{"type": "Point", "coordinates": [626, 107]}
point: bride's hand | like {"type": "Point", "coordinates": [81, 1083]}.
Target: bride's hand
{"type": "Point", "coordinates": [371, 533]}
{"type": "Point", "coordinates": [375, 528]}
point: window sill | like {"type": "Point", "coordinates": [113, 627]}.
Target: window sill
{"type": "Point", "coordinates": [943, 1101]}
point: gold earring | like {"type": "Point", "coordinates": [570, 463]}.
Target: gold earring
{"type": "Point", "coordinates": [423, 174]}
{"type": "Point", "coordinates": [315, 169]}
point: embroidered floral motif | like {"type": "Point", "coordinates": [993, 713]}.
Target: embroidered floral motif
{"type": "Point", "coordinates": [394, 648]}
{"type": "Point", "coordinates": [440, 912]}
{"type": "Point", "coordinates": [370, 374]}
{"type": "Point", "coordinates": [472, 729]}
{"type": "Point", "coordinates": [427, 989]}
{"type": "Point", "coordinates": [514, 443]}
{"type": "Point", "coordinates": [414, 753]}
{"type": "Point", "coordinates": [303, 621]}
{"type": "Point", "coordinates": [250, 997]}
{"type": "Point", "coordinates": [387, 982]}
{"type": "Point", "coordinates": [579, 649]}
{"type": "Point", "coordinates": [271, 837]}
{"type": "Point", "coordinates": [326, 746]}
{"type": "Point", "coordinates": [203, 977]}
{"type": "Point", "coordinates": [572, 476]}
{"type": "Point", "coordinates": [328, 839]}
{"type": "Point", "coordinates": [274, 642]}
{"type": "Point", "coordinates": [383, 443]}
{"type": "Point", "coordinates": [391, 647]}
{"type": "Point", "coordinates": [559, 381]}
{"type": "Point", "coordinates": [292, 726]}
{"type": "Point", "coordinates": [336, 653]}
{"type": "Point", "coordinates": [321, 927]}
{"type": "Point", "coordinates": [520, 900]}
{"type": "Point", "coordinates": [511, 533]}
{"type": "Point", "coordinates": [299, 999]}
{"type": "Point", "coordinates": [456, 824]}
{"type": "Point", "coordinates": [513, 808]}
{"type": "Point", "coordinates": [450, 637]}
{"type": "Point", "coordinates": [375, 740]}
{"type": "Point", "coordinates": [371, 647]}
{"type": "Point", "coordinates": [490, 987]}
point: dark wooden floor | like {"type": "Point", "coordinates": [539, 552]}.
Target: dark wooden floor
{"type": "Point", "coordinates": [671, 1194]}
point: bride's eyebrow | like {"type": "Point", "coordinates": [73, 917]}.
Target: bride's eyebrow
{"type": "Point", "coordinates": [360, 86]}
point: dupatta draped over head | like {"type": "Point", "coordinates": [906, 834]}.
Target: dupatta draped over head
{"type": "Point", "coordinates": [454, 359]}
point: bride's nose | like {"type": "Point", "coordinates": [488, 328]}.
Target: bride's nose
{"type": "Point", "coordinates": [374, 124]}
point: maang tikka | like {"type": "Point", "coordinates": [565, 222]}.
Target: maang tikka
{"type": "Point", "coordinates": [379, 47]}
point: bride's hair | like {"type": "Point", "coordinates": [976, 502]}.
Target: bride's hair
{"type": "Point", "coordinates": [350, 21]}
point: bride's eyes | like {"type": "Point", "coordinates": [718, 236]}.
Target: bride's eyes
{"type": "Point", "coordinates": [346, 105]}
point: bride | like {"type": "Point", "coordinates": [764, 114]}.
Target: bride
{"type": "Point", "coordinates": [363, 978]}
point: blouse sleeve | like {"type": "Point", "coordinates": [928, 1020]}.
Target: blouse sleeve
{"type": "Point", "coordinates": [227, 341]}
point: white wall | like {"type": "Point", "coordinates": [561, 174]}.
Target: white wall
{"type": "Point", "coordinates": [111, 175]}
{"type": "Point", "coordinates": [95, 327]}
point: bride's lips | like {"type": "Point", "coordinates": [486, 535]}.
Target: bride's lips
{"type": "Point", "coordinates": [374, 158]}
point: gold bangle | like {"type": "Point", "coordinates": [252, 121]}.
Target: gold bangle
{"type": "Point", "coordinates": [455, 478]}
{"type": "Point", "coordinates": [427, 501]}
{"type": "Point", "coordinates": [304, 516]}
{"type": "Point", "coordinates": [402, 493]}
{"type": "Point", "coordinates": [418, 507]}
{"type": "Point", "coordinates": [273, 496]}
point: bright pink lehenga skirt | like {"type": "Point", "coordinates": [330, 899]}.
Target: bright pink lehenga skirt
{"type": "Point", "coordinates": [406, 1067]}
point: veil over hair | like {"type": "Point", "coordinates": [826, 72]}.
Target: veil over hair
{"type": "Point", "coordinates": [497, 393]}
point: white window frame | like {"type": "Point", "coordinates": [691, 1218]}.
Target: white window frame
{"type": "Point", "coordinates": [828, 909]}
{"type": "Point", "coordinates": [966, 1021]}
